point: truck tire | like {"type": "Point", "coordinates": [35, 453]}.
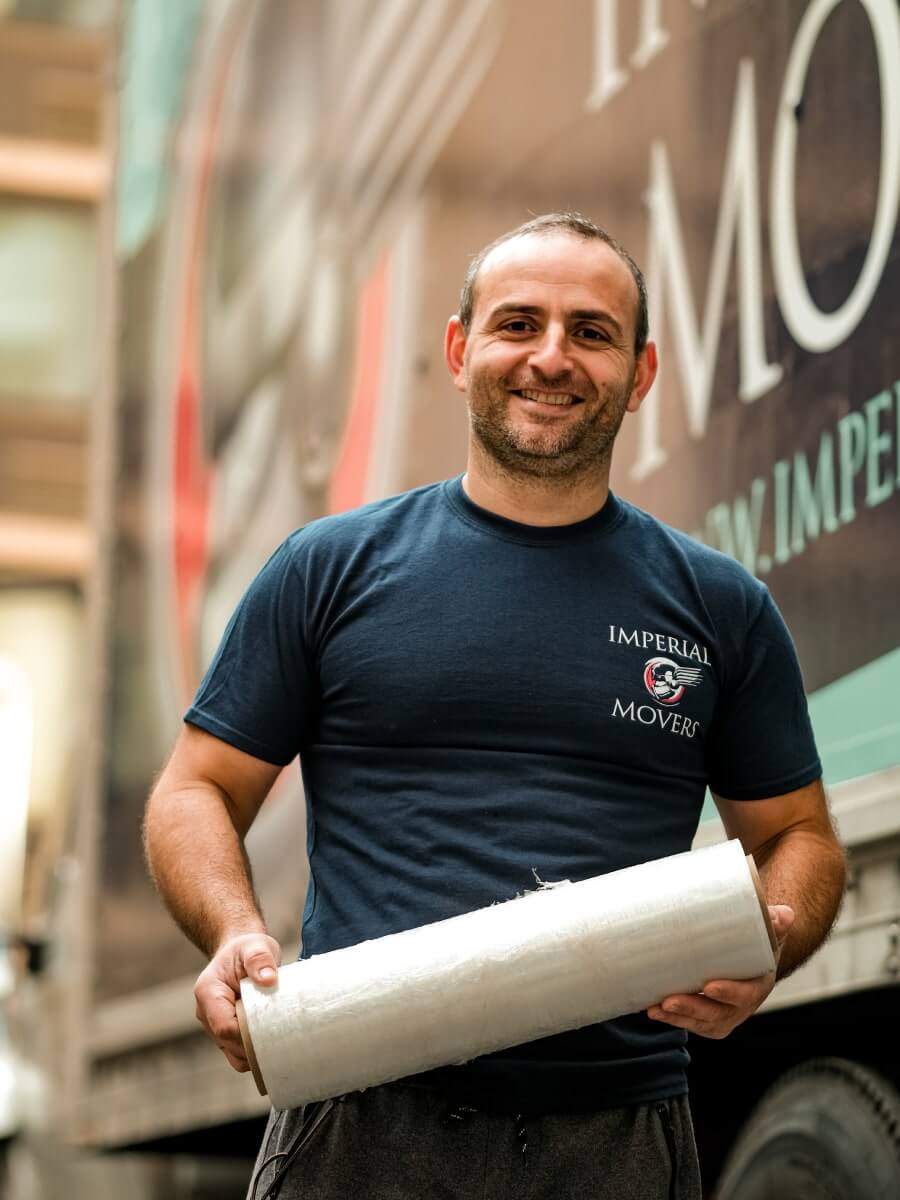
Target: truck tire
{"type": "Point", "coordinates": [827, 1130]}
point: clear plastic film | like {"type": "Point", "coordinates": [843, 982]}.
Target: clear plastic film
{"type": "Point", "coordinates": [559, 958]}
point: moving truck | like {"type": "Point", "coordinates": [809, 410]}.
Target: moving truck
{"type": "Point", "coordinates": [300, 187]}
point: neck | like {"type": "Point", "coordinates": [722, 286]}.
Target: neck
{"type": "Point", "coordinates": [534, 500]}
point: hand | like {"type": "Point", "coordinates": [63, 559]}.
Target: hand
{"type": "Point", "coordinates": [724, 1003]}
{"type": "Point", "coordinates": [253, 955]}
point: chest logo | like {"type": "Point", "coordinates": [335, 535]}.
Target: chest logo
{"type": "Point", "coordinates": [666, 680]}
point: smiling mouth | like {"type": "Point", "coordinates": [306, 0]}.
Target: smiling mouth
{"type": "Point", "coordinates": [558, 399]}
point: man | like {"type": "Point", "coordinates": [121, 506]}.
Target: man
{"type": "Point", "coordinates": [459, 669]}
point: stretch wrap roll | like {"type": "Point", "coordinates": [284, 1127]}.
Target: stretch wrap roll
{"type": "Point", "coordinates": [567, 955]}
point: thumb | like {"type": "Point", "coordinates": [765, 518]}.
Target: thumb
{"type": "Point", "coordinates": [261, 961]}
{"type": "Point", "coordinates": [783, 917]}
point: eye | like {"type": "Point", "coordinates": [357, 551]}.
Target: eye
{"type": "Point", "coordinates": [518, 325]}
{"type": "Point", "coordinates": [591, 333]}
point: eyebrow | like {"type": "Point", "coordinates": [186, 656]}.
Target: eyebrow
{"type": "Point", "coordinates": [578, 314]}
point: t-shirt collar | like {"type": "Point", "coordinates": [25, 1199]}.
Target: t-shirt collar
{"type": "Point", "coordinates": [535, 535]}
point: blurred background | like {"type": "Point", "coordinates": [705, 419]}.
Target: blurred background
{"type": "Point", "coordinates": [231, 232]}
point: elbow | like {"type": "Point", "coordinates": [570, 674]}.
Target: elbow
{"type": "Point", "coordinates": [150, 829]}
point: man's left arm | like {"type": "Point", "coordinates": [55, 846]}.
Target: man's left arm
{"type": "Point", "coordinates": [802, 868]}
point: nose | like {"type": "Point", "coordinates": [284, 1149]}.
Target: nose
{"type": "Point", "coordinates": [550, 354]}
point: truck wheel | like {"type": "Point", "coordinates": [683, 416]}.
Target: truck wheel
{"type": "Point", "coordinates": [827, 1130]}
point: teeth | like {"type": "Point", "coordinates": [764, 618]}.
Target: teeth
{"type": "Point", "coordinates": [548, 397]}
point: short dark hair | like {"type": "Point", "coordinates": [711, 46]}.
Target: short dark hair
{"type": "Point", "coordinates": [558, 222]}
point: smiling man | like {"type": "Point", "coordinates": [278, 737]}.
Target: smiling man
{"type": "Point", "coordinates": [550, 348]}
{"type": "Point", "coordinates": [471, 675]}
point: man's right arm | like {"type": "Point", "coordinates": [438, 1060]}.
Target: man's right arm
{"type": "Point", "coordinates": [197, 817]}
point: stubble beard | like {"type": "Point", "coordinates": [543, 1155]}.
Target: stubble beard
{"type": "Point", "coordinates": [580, 448]}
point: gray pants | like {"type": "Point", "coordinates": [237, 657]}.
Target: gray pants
{"type": "Point", "coordinates": [402, 1143]}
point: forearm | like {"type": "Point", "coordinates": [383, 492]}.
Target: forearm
{"type": "Point", "coordinates": [197, 859]}
{"type": "Point", "coordinates": [806, 869]}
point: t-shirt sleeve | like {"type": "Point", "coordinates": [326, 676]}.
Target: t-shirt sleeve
{"type": "Point", "coordinates": [259, 693]}
{"type": "Point", "coordinates": [760, 742]}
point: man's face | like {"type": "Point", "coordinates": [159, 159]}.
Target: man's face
{"type": "Point", "coordinates": [548, 365]}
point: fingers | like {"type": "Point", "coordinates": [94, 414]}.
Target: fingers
{"type": "Point", "coordinates": [216, 1013]}
{"type": "Point", "coordinates": [723, 1005]}
{"type": "Point", "coordinates": [237, 1063]}
{"type": "Point", "coordinates": [694, 1013]}
{"type": "Point", "coordinates": [255, 956]}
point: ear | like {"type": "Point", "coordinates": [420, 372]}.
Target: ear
{"type": "Point", "coordinates": [644, 373]}
{"type": "Point", "coordinates": [455, 352]}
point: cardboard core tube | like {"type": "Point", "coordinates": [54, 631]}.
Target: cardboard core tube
{"type": "Point", "coordinates": [763, 903]}
{"type": "Point", "coordinates": [248, 1048]}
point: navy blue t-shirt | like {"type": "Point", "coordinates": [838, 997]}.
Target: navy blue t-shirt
{"type": "Point", "coordinates": [476, 702]}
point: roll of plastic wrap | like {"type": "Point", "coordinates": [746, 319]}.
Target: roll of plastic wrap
{"type": "Point", "coordinates": [567, 955]}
